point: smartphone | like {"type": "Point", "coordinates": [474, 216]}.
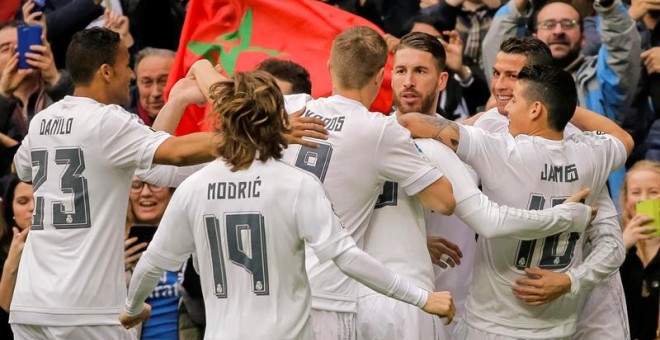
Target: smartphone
{"type": "Point", "coordinates": [650, 208]}
{"type": "Point", "coordinates": [39, 6]}
{"type": "Point", "coordinates": [143, 232]}
{"type": "Point", "coordinates": [28, 35]}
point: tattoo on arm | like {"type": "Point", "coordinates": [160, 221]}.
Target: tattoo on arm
{"type": "Point", "coordinates": [447, 131]}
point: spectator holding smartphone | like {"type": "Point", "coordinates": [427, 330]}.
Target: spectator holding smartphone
{"type": "Point", "coordinates": [25, 92]}
{"type": "Point", "coordinates": [640, 272]}
{"type": "Point", "coordinates": [147, 203]}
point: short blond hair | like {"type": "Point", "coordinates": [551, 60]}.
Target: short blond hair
{"type": "Point", "coordinates": [358, 53]}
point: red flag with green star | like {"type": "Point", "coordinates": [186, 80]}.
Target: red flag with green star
{"type": "Point", "coordinates": [241, 33]}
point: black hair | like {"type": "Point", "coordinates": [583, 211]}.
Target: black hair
{"type": "Point", "coordinates": [288, 71]}
{"type": "Point", "coordinates": [88, 51]}
{"type": "Point", "coordinates": [536, 51]}
{"type": "Point", "coordinates": [554, 88]}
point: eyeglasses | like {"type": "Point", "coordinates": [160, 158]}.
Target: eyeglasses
{"type": "Point", "coordinates": [566, 24]}
{"type": "Point", "coordinates": [137, 187]}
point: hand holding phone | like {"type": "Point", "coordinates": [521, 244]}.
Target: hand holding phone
{"type": "Point", "coordinates": [28, 35]}
{"type": "Point", "coordinates": [650, 208]}
{"type": "Point", "coordinates": [143, 232]}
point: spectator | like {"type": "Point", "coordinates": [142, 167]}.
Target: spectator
{"type": "Point", "coordinates": [640, 272]}
{"type": "Point", "coordinates": [472, 20]}
{"type": "Point", "coordinates": [148, 203]}
{"type": "Point", "coordinates": [17, 208]}
{"type": "Point", "coordinates": [152, 67]}
{"type": "Point", "coordinates": [23, 93]}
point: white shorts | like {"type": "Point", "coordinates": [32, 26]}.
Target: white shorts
{"type": "Point", "coordinates": [384, 318]}
{"type": "Point", "coordinates": [32, 332]}
{"type": "Point", "coordinates": [328, 325]}
{"type": "Point", "coordinates": [463, 331]}
{"type": "Point", "coordinates": [604, 314]}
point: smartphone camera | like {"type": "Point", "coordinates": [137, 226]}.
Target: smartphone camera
{"type": "Point", "coordinates": [28, 35]}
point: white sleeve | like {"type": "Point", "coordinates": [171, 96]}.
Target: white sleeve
{"type": "Point", "coordinates": [490, 220]}
{"type": "Point", "coordinates": [144, 280]}
{"type": "Point", "coordinates": [484, 151]}
{"type": "Point", "coordinates": [168, 175]}
{"type": "Point", "coordinates": [173, 241]}
{"type": "Point", "coordinates": [126, 142]}
{"type": "Point", "coordinates": [23, 161]}
{"type": "Point", "coordinates": [363, 268]}
{"type": "Point", "coordinates": [607, 248]}
{"type": "Point", "coordinates": [398, 160]}
{"type": "Point", "coordinates": [317, 223]}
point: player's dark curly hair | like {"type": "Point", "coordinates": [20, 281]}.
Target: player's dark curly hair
{"type": "Point", "coordinates": [249, 112]}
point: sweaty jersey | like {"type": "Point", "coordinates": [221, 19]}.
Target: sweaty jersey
{"type": "Point", "coordinates": [363, 150]}
{"type": "Point", "coordinates": [248, 229]}
{"type": "Point", "coordinates": [80, 156]}
{"type": "Point", "coordinates": [532, 173]}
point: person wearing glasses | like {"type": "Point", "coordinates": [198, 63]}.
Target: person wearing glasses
{"type": "Point", "coordinates": [606, 82]}
{"type": "Point", "coordinates": [147, 205]}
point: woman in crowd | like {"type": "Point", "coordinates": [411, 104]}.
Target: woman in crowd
{"type": "Point", "coordinates": [17, 208]}
{"type": "Point", "coordinates": [640, 272]}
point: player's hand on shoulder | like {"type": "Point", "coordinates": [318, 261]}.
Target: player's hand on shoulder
{"type": "Point", "coordinates": [132, 321]}
{"type": "Point", "coordinates": [441, 304]}
{"type": "Point", "coordinates": [300, 127]}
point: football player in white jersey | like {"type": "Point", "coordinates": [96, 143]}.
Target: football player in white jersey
{"type": "Point", "coordinates": [534, 157]}
{"type": "Point", "coordinates": [603, 315]}
{"type": "Point", "coordinates": [80, 155]}
{"type": "Point", "coordinates": [396, 235]}
{"type": "Point", "coordinates": [247, 216]}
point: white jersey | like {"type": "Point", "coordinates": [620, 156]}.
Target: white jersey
{"type": "Point", "coordinates": [533, 173]}
{"type": "Point", "coordinates": [363, 150]}
{"type": "Point", "coordinates": [80, 156]}
{"type": "Point", "coordinates": [248, 229]}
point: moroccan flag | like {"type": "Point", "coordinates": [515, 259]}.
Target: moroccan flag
{"type": "Point", "coordinates": [240, 34]}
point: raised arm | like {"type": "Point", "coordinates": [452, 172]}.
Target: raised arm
{"type": "Point", "coordinates": [586, 120]}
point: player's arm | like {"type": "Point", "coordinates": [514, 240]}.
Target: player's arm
{"type": "Point", "coordinates": [167, 175]}
{"type": "Point", "coordinates": [438, 196]}
{"type": "Point", "coordinates": [586, 120]}
{"type": "Point", "coordinates": [360, 266]}
{"type": "Point", "coordinates": [194, 148]}
{"type": "Point", "coordinates": [490, 220]}
{"type": "Point", "coordinates": [144, 280]}
{"type": "Point", "coordinates": [436, 127]}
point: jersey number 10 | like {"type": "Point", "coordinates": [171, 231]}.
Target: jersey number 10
{"type": "Point", "coordinates": [246, 248]}
{"type": "Point", "coordinates": [551, 258]}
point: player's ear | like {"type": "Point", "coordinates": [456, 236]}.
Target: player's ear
{"type": "Point", "coordinates": [106, 72]}
{"type": "Point", "coordinates": [536, 110]}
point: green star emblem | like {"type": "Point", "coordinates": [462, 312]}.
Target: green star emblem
{"type": "Point", "coordinates": [228, 46]}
